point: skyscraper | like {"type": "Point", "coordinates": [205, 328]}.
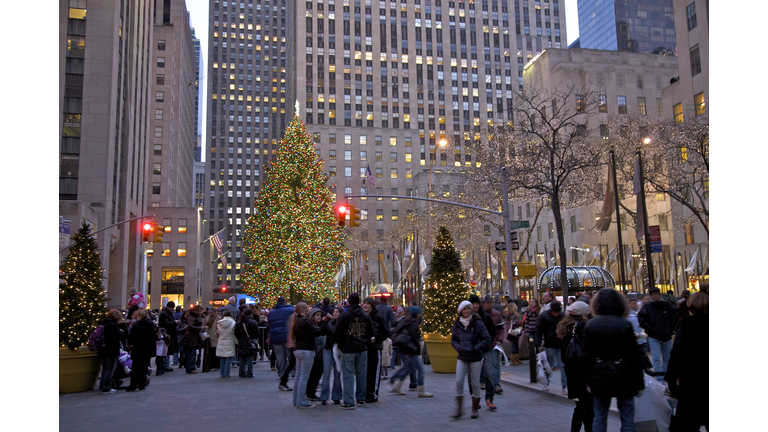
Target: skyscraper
{"type": "Point", "coordinates": [641, 26]}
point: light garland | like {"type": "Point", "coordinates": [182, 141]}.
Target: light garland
{"type": "Point", "coordinates": [446, 286]}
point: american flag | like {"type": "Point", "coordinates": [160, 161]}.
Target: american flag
{"type": "Point", "coordinates": [370, 176]}
{"type": "Point", "coordinates": [218, 241]}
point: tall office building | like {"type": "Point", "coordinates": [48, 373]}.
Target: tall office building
{"type": "Point", "coordinates": [104, 101]}
{"type": "Point", "coordinates": [199, 66]}
{"type": "Point", "coordinates": [249, 64]}
{"type": "Point", "coordinates": [538, 26]}
{"type": "Point", "coordinates": [641, 26]}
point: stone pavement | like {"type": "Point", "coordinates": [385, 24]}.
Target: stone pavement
{"type": "Point", "coordinates": [202, 402]}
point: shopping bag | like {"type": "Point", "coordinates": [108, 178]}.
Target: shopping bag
{"type": "Point", "coordinates": [652, 410]}
{"type": "Point", "coordinates": [337, 357]}
{"type": "Point", "coordinates": [503, 359]}
{"type": "Point", "coordinates": [543, 370]}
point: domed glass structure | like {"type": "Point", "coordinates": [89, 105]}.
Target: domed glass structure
{"type": "Point", "coordinates": [579, 279]}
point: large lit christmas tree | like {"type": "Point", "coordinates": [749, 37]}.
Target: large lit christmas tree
{"type": "Point", "coordinates": [82, 301]}
{"type": "Point", "coordinates": [445, 286]}
{"type": "Point", "coordinates": [292, 239]}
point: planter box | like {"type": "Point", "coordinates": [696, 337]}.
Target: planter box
{"type": "Point", "coordinates": [78, 370]}
{"type": "Point", "coordinates": [442, 356]}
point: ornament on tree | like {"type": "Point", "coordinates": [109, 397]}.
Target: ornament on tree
{"type": "Point", "coordinates": [446, 286]}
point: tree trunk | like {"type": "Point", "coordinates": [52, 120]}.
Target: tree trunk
{"type": "Point", "coordinates": [560, 246]}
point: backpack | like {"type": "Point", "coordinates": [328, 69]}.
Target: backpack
{"type": "Point", "coordinates": [96, 339]}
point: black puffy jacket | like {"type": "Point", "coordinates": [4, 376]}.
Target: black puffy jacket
{"type": "Point", "coordinates": [546, 330]}
{"type": "Point", "coordinates": [471, 341]}
{"type": "Point", "coordinates": [243, 345]}
{"type": "Point", "coordinates": [409, 325]}
{"type": "Point", "coordinates": [656, 318]}
{"type": "Point", "coordinates": [304, 333]}
{"type": "Point", "coordinates": [613, 365]}
{"type": "Point", "coordinates": [380, 329]}
{"type": "Point", "coordinates": [353, 330]}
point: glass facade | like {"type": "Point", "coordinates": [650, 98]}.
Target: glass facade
{"type": "Point", "coordinates": [644, 26]}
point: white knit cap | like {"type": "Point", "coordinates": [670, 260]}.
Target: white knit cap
{"type": "Point", "coordinates": [464, 304]}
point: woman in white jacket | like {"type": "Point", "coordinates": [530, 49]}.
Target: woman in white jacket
{"type": "Point", "coordinates": [225, 349]}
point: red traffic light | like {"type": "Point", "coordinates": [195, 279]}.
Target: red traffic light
{"type": "Point", "coordinates": [342, 209]}
{"type": "Point", "coordinates": [148, 227]}
{"type": "Point", "coordinates": [223, 289]}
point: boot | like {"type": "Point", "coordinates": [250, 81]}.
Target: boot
{"type": "Point", "coordinates": [489, 403]}
{"type": "Point", "coordinates": [423, 393]}
{"type": "Point", "coordinates": [396, 388]}
{"type": "Point", "coordinates": [457, 413]}
{"type": "Point", "coordinates": [475, 407]}
{"type": "Point", "coordinates": [516, 360]}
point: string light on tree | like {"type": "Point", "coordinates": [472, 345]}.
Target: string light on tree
{"type": "Point", "coordinates": [292, 238]}
{"type": "Point", "coordinates": [446, 286]}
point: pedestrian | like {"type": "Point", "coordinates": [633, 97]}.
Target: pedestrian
{"type": "Point", "coordinates": [209, 359]}
{"type": "Point", "coordinates": [326, 307]}
{"type": "Point", "coordinates": [303, 333]}
{"type": "Point", "coordinates": [353, 331]}
{"type": "Point", "coordinates": [497, 338]}
{"type": "Point", "coordinates": [656, 319]}
{"type": "Point", "coordinates": [316, 316]}
{"type": "Point", "coordinates": [290, 367]}
{"type": "Point", "coordinates": [277, 333]}
{"type": "Point", "coordinates": [247, 328]}
{"type": "Point", "coordinates": [546, 299]}
{"type": "Point", "coordinates": [386, 347]}
{"type": "Point", "coordinates": [514, 325]}
{"type": "Point", "coordinates": [327, 328]}
{"type": "Point", "coordinates": [399, 315]}
{"type": "Point", "coordinates": [141, 338]}
{"type": "Point", "coordinates": [688, 371]}
{"type": "Point", "coordinates": [165, 320]}
{"type": "Point", "coordinates": [108, 355]}
{"type": "Point", "coordinates": [571, 330]}
{"type": "Point", "coordinates": [586, 297]}
{"type": "Point", "coordinates": [644, 298]}
{"type": "Point", "coordinates": [225, 346]}
{"type": "Point", "coordinates": [191, 339]}
{"type": "Point", "coordinates": [181, 329]}
{"type": "Point", "coordinates": [681, 308]}
{"type": "Point", "coordinates": [612, 359]}
{"type": "Point", "coordinates": [408, 346]}
{"type": "Point", "coordinates": [232, 307]}
{"type": "Point", "coordinates": [486, 372]}
{"type": "Point", "coordinates": [546, 339]}
{"type": "Point", "coordinates": [161, 351]}
{"type": "Point", "coordinates": [374, 347]}
{"type": "Point", "coordinates": [135, 301]}
{"type": "Point", "coordinates": [469, 338]}
{"type": "Point", "coordinates": [639, 332]}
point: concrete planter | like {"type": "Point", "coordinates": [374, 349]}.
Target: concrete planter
{"type": "Point", "coordinates": [78, 370]}
{"type": "Point", "coordinates": [442, 356]}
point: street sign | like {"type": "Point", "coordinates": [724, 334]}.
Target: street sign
{"type": "Point", "coordinates": [655, 238]}
{"type": "Point", "coordinates": [515, 271]}
{"type": "Point", "coordinates": [525, 270]}
{"type": "Point", "coordinates": [513, 236]}
{"type": "Point", "coordinates": [519, 224]}
{"type": "Point", "coordinates": [501, 246]}
{"type": "Point", "coordinates": [514, 245]}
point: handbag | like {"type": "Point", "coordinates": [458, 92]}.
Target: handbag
{"type": "Point", "coordinates": [203, 335]}
{"type": "Point", "coordinates": [254, 348]}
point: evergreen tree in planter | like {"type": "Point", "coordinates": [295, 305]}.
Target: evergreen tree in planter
{"type": "Point", "coordinates": [445, 286]}
{"type": "Point", "coordinates": [82, 303]}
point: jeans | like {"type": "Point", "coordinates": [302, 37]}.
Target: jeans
{"type": "Point", "coordinates": [486, 375]}
{"type": "Point", "coordinates": [108, 365]}
{"type": "Point", "coordinates": [166, 362]}
{"type": "Point", "coordinates": [473, 368]}
{"type": "Point", "coordinates": [159, 364]}
{"type": "Point", "coordinates": [282, 357]}
{"type": "Point", "coordinates": [553, 357]}
{"type": "Point", "coordinates": [288, 368]}
{"type": "Point", "coordinates": [224, 366]}
{"type": "Point", "coordinates": [190, 354]}
{"type": "Point", "coordinates": [412, 364]}
{"type": "Point", "coordinates": [395, 354]}
{"type": "Point", "coordinates": [354, 366]}
{"type": "Point", "coordinates": [659, 353]}
{"type": "Point", "coordinates": [175, 358]}
{"type": "Point", "coordinates": [626, 412]}
{"type": "Point", "coordinates": [329, 365]}
{"type": "Point", "coordinates": [304, 360]}
{"type": "Point", "coordinates": [515, 346]}
{"type": "Point", "coordinates": [246, 366]}
{"type": "Point", "coordinates": [583, 413]}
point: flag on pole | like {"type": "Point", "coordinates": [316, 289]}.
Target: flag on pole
{"type": "Point", "coordinates": [692, 266]}
{"type": "Point", "coordinates": [397, 263]}
{"type": "Point", "coordinates": [218, 241]}
{"type": "Point", "coordinates": [605, 216]}
{"type": "Point", "coordinates": [422, 266]}
{"type": "Point", "coordinates": [383, 267]}
{"type": "Point", "coordinates": [340, 275]}
{"type": "Point", "coordinates": [224, 261]}
{"type": "Point", "coordinates": [639, 229]}
{"type": "Point", "coordinates": [369, 176]}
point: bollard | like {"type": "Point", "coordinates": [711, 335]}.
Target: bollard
{"type": "Point", "coordinates": [532, 360]}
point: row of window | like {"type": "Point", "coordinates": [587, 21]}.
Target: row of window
{"type": "Point", "coordinates": [165, 250]}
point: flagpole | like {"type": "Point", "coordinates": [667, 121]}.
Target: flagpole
{"type": "Point", "coordinates": [622, 274]}
{"type": "Point", "coordinates": [646, 230]}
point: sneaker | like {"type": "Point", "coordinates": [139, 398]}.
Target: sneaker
{"type": "Point", "coordinates": [360, 403]}
{"type": "Point", "coordinates": [111, 391]}
{"type": "Point", "coordinates": [284, 387]}
{"type": "Point", "coordinates": [498, 390]}
{"type": "Point", "coordinates": [490, 405]}
{"type": "Point", "coordinates": [337, 402]}
{"type": "Point", "coordinates": [307, 406]}
{"type": "Point", "coordinates": [347, 407]}
{"type": "Point", "coordinates": [312, 398]}
{"type": "Point", "coordinates": [545, 388]}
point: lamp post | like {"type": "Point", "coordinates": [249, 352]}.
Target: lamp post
{"type": "Point", "coordinates": [622, 275]}
{"type": "Point", "coordinates": [443, 142]}
{"type": "Point", "coordinates": [646, 230]}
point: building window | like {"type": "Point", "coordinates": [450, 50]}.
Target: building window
{"type": "Point", "coordinates": [379, 214]}
{"type": "Point", "coordinates": [158, 131]}
{"type": "Point", "coordinates": [393, 156]}
{"type": "Point", "coordinates": [347, 155]}
{"type": "Point", "coordinates": [678, 112]}
{"type": "Point", "coordinates": [574, 226]}
{"type": "Point", "coordinates": [408, 157]}
{"type": "Point", "coordinates": [181, 249]}
{"type": "Point", "coordinates": [699, 102]}
{"type": "Point", "coordinates": [348, 139]}
{"type": "Point", "coordinates": [161, 62]}
{"type": "Point", "coordinates": [332, 171]}
{"type": "Point", "coordinates": [363, 214]}
{"type": "Point", "coordinates": [393, 173]}
{"type": "Point", "coordinates": [695, 60]}
{"type": "Point", "coordinates": [158, 114]}
{"type": "Point", "coordinates": [393, 141]}
{"type": "Point", "coordinates": [659, 111]}
{"type": "Point", "coordinates": [166, 248]}
{"type": "Point", "coordinates": [409, 173]}
{"type": "Point", "coordinates": [538, 233]}
{"type": "Point", "coordinates": [689, 238]}
{"type": "Point", "coordinates": [157, 168]}
{"type": "Point", "coordinates": [183, 226]}
{"type": "Point", "coordinates": [161, 45]}
{"type": "Point", "coordinates": [579, 103]}
{"type": "Point", "coordinates": [622, 102]}
{"type": "Point", "coordinates": [691, 12]}
{"type": "Point", "coordinates": [604, 131]}
{"type": "Point", "coordinates": [641, 106]}
{"type": "Point", "coordinates": [379, 173]}
{"type": "Point", "coordinates": [158, 149]}
{"type": "Point", "coordinates": [395, 215]}
{"type": "Point", "coordinates": [551, 229]}
{"type": "Point", "coordinates": [331, 154]}
{"type": "Point", "coordinates": [160, 79]}
{"type": "Point", "coordinates": [347, 171]}
{"type": "Point", "coordinates": [156, 188]}
{"type": "Point", "coordinates": [158, 96]}
{"type": "Point", "coordinates": [602, 103]}
{"type": "Point", "coordinates": [663, 222]}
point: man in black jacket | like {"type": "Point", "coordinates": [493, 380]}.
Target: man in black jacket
{"type": "Point", "coordinates": [166, 321]}
{"type": "Point", "coordinates": [354, 331]}
{"type": "Point", "coordinates": [655, 317]}
{"type": "Point", "coordinates": [546, 339]}
{"type": "Point", "coordinates": [386, 347]}
{"type": "Point", "coordinates": [380, 334]}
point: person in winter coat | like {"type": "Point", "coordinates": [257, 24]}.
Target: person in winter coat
{"type": "Point", "coordinates": [531, 318]}
{"type": "Point", "coordinates": [278, 335]}
{"type": "Point", "coordinates": [656, 318]}
{"type": "Point", "coordinates": [246, 328]}
{"type": "Point", "coordinates": [165, 320]}
{"type": "Point", "coordinates": [613, 364]}
{"type": "Point", "coordinates": [380, 334]}
{"type": "Point", "coordinates": [386, 347]}
{"type": "Point", "coordinates": [688, 371]}
{"type": "Point", "coordinates": [317, 316]}
{"type": "Point", "coordinates": [225, 346]}
{"type": "Point", "coordinates": [303, 332]}
{"type": "Point", "coordinates": [409, 351]}
{"type": "Point", "coordinates": [142, 338]}
{"type": "Point", "coordinates": [327, 328]}
{"type": "Point", "coordinates": [546, 338]}
{"type": "Point", "coordinates": [111, 351]}
{"type": "Point", "coordinates": [135, 301]}
{"type": "Point", "coordinates": [513, 322]}
{"type": "Point", "coordinates": [191, 339]}
{"type": "Point", "coordinates": [353, 332]}
{"type": "Point", "coordinates": [573, 324]}
{"type": "Point", "coordinates": [470, 339]}
{"type": "Point", "coordinates": [486, 372]}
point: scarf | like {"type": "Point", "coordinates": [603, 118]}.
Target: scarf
{"type": "Point", "coordinates": [465, 321]}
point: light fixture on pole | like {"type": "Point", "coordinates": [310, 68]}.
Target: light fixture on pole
{"type": "Point", "coordinates": [443, 142]}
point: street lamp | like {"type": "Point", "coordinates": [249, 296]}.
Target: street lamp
{"type": "Point", "coordinates": [443, 142]}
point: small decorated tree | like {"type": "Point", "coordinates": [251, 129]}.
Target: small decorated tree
{"type": "Point", "coordinates": [82, 301]}
{"type": "Point", "coordinates": [445, 286]}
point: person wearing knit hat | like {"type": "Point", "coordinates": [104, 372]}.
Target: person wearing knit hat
{"type": "Point", "coordinates": [405, 337]}
{"type": "Point", "coordinates": [469, 338]}
{"type": "Point", "coordinates": [573, 324]}
{"type": "Point", "coordinates": [578, 308]}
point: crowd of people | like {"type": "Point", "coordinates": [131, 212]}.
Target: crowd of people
{"type": "Point", "coordinates": [601, 342]}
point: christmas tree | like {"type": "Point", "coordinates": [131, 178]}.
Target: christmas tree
{"type": "Point", "coordinates": [292, 239]}
{"type": "Point", "coordinates": [82, 303]}
{"type": "Point", "coordinates": [445, 286]}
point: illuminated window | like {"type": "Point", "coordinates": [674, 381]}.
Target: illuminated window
{"type": "Point", "coordinates": [641, 106]}
{"type": "Point", "coordinates": [379, 214]}
{"type": "Point", "coordinates": [182, 226]}
{"type": "Point", "coordinates": [622, 102]}
{"type": "Point", "coordinates": [166, 249]}
{"type": "Point", "coordinates": [678, 112]}
{"type": "Point", "coordinates": [700, 105]}
{"type": "Point", "coordinates": [602, 103]}
{"type": "Point", "coordinates": [181, 249]}
{"type": "Point", "coordinates": [393, 141]}
{"type": "Point", "coordinates": [408, 173]}
{"type": "Point", "coordinates": [395, 215]}
{"type": "Point", "coordinates": [393, 156]}
{"type": "Point", "coordinates": [393, 173]}
{"type": "Point", "coordinates": [348, 139]}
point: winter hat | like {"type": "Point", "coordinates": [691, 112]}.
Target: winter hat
{"type": "Point", "coordinates": [474, 299]}
{"type": "Point", "coordinates": [578, 308]}
{"type": "Point", "coordinates": [654, 289]}
{"type": "Point", "coordinates": [171, 305]}
{"type": "Point", "coordinates": [354, 298]}
{"type": "Point", "coordinates": [488, 299]}
{"type": "Point", "coordinates": [464, 304]}
{"type": "Point", "coordinates": [314, 311]}
{"type": "Point", "coordinates": [232, 299]}
{"type": "Point", "coordinates": [414, 311]}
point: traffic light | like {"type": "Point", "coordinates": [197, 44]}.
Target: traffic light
{"type": "Point", "coordinates": [158, 233]}
{"type": "Point", "coordinates": [146, 231]}
{"type": "Point", "coordinates": [341, 216]}
{"type": "Point", "coordinates": [354, 216]}
{"type": "Point", "coordinates": [220, 290]}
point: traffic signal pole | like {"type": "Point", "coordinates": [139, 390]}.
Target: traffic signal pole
{"type": "Point", "coordinates": [114, 225]}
